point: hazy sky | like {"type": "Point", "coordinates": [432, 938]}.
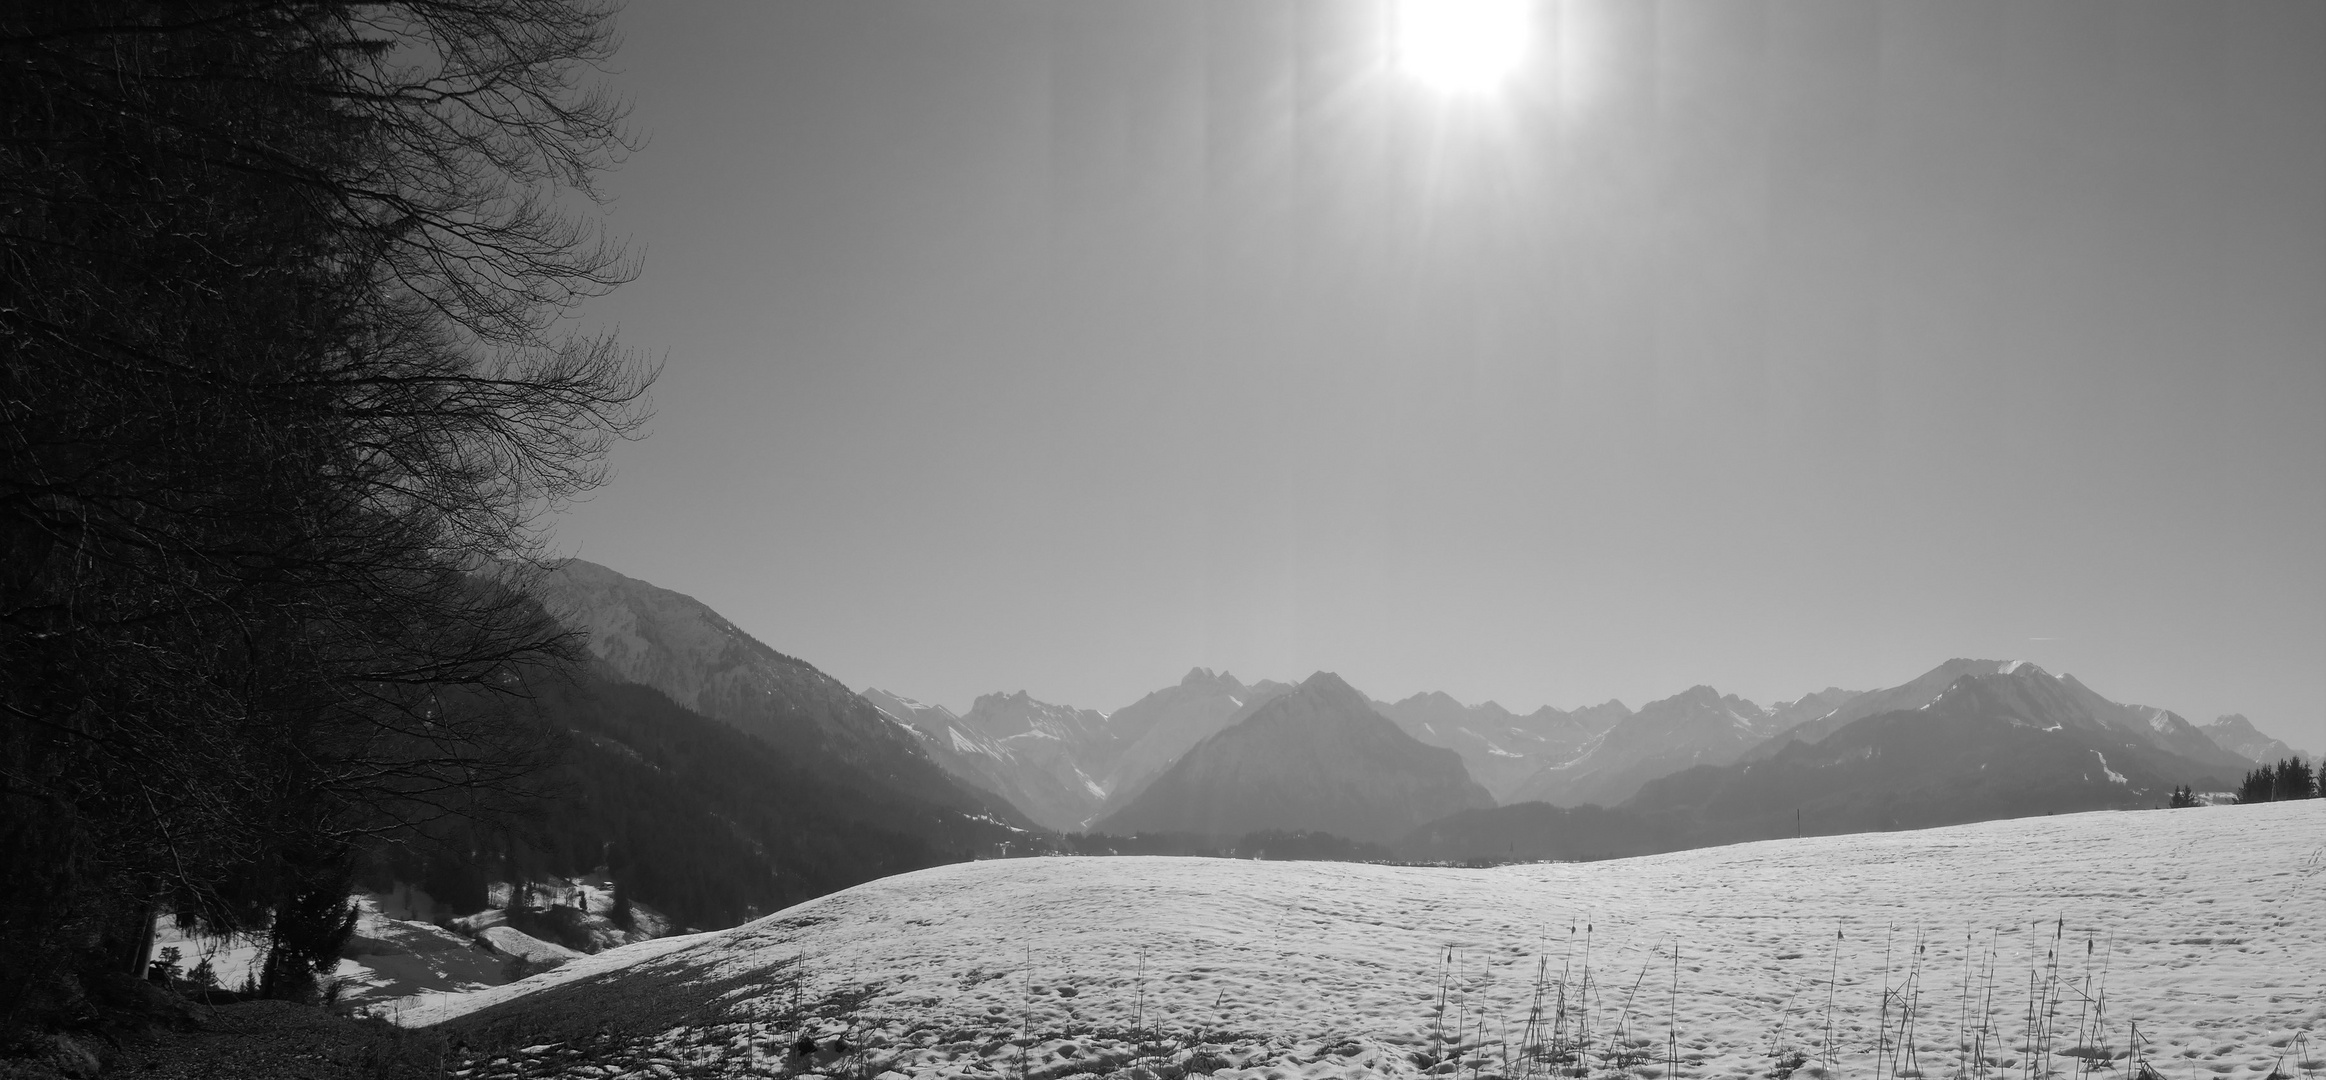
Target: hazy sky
{"type": "Point", "coordinates": [1064, 346]}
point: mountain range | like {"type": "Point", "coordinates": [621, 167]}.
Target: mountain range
{"type": "Point", "coordinates": [1503, 750]}
{"type": "Point", "coordinates": [789, 784]}
{"type": "Point", "coordinates": [1316, 758]}
{"type": "Point", "coordinates": [1029, 752]}
{"type": "Point", "coordinates": [2165, 729]}
{"type": "Point", "coordinates": [1996, 740]}
{"type": "Point", "coordinates": [1161, 727]}
{"type": "Point", "coordinates": [1698, 726]}
{"type": "Point", "coordinates": [1611, 756]}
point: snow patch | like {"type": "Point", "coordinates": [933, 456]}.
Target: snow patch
{"type": "Point", "coordinates": [2114, 777]}
{"type": "Point", "coordinates": [510, 941]}
{"type": "Point", "coordinates": [963, 744]}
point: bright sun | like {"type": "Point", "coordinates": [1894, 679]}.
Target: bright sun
{"type": "Point", "coordinates": [1460, 45]}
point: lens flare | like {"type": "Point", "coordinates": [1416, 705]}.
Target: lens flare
{"type": "Point", "coordinates": [1461, 46]}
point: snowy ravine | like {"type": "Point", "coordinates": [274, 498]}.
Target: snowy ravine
{"type": "Point", "coordinates": [2205, 926]}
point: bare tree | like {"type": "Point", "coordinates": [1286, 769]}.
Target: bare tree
{"type": "Point", "coordinates": [287, 395]}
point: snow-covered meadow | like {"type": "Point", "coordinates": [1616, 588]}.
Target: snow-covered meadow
{"type": "Point", "coordinates": [2028, 945]}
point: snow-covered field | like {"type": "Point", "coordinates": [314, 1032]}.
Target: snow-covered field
{"type": "Point", "coordinates": [2206, 927]}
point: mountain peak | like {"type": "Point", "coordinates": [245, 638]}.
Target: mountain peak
{"type": "Point", "coordinates": [1323, 679]}
{"type": "Point", "coordinates": [1330, 689]}
{"type": "Point", "coordinates": [1203, 676]}
{"type": "Point", "coordinates": [1964, 665]}
{"type": "Point", "coordinates": [1318, 757]}
{"type": "Point", "coordinates": [2234, 733]}
{"type": "Point", "coordinates": [1699, 694]}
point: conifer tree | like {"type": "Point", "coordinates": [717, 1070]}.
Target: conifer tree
{"type": "Point", "coordinates": [2293, 780]}
{"type": "Point", "coordinates": [623, 914]}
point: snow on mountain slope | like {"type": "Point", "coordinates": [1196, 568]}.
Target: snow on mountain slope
{"type": "Point", "coordinates": [2237, 735]}
{"type": "Point", "coordinates": [1013, 746]}
{"type": "Point", "coordinates": [1912, 694]}
{"type": "Point", "coordinates": [2207, 927]}
{"type": "Point", "coordinates": [1502, 750]}
{"type": "Point", "coordinates": [1059, 752]}
{"type": "Point", "coordinates": [2065, 699]}
{"type": "Point", "coordinates": [1698, 726]}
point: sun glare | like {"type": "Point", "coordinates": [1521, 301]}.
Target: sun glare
{"type": "Point", "coordinates": [1460, 46]}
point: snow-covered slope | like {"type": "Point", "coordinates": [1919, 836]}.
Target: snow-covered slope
{"type": "Point", "coordinates": [2207, 927]}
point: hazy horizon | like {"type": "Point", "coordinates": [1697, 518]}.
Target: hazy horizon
{"type": "Point", "coordinates": [1632, 703]}
{"type": "Point", "coordinates": [1022, 344]}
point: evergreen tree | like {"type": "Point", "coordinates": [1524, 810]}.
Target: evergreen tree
{"type": "Point", "coordinates": [2293, 780]}
{"type": "Point", "coordinates": [2259, 785]}
{"type": "Point", "coordinates": [623, 914]}
{"type": "Point", "coordinates": [308, 928]}
{"type": "Point", "coordinates": [2183, 797]}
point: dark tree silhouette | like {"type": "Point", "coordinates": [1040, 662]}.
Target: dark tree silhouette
{"type": "Point", "coordinates": [2259, 786]}
{"type": "Point", "coordinates": [2293, 780]}
{"type": "Point", "coordinates": [284, 403]}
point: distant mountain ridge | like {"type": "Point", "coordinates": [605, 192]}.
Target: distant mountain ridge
{"type": "Point", "coordinates": [1998, 739]}
{"type": "Point", "coordinates": [1064, 766]}
{"type": "Point", "coordinates": [1021, 749]}
{"type": "Point", "coordinates": [2010, 743]}
{"type": "Point", "coordinates": [2078, 704]}
{"type": "Point", "coordinates": [1316, 758]}
{"type": "Point", "coordinates": [1157, 730]}
{"type": "Point", "coordinates": [1502, 750]}
{"type": "Point", "coordinates": [2237, 735]}
{"type": "Point", "coordinates": [1698, 726]}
